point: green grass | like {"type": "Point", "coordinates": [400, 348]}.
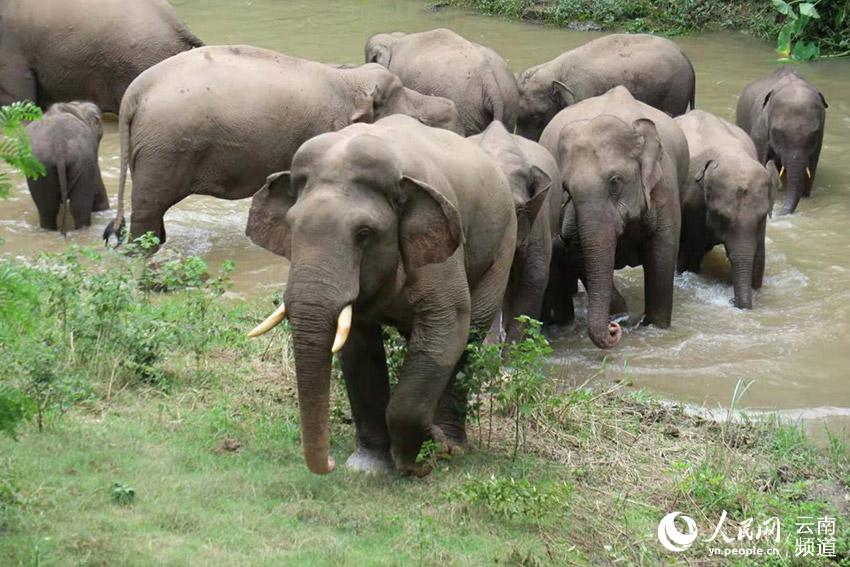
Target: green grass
{"type": "Point", "coordinates": [204, 432]}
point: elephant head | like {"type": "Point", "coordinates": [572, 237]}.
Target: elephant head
{"type": "Point", "coordinates": [354, 226]}
{"type": "Point", "coordinates": [609, 169]}
{"type": "Point", "coordinates": [791, 122]}
{"type": "Point", "coordinates": [87, 112]}
{"type": "Point", "coordinates": [739, 195]}
{"type": "Point", "coordinates": [379, 48]}
{"type": "Point", "coordinates": [381, 93]}
{"type": "Point", "coordinates": [540, 99]}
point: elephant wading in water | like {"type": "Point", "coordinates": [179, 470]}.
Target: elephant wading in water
{"type": "Point", "coordinates": [66, 141]}
{"type": "Point", "coordinates": [218, 120]}
{"type": "Point", "coordinates": [652, 68]}
{"type": "Point", "coordinates": [622, 163]}
{"type": "Point", "coordinates": [785, 116]}
{"type": "Point", "coordinates": [65, 50]}
{"type": "Point", "coordinates": [530, 170]}
{"type": "Point", "coordinates": [442, 63]}
{"type": "Point", "coordinates": [397, 224]}
{"type": "Point", "coordinates": [726, 201]}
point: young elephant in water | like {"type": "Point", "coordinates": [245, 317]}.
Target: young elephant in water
{"type": "Point", "coordinates": [440, 62]}
{"type": "Point", "coordinates": [393, 224]}
{"type": "Point", "coordinates": [652, 68]}
{"type": "Point", "coordinates": [622, 163]}
{"type": "Point", "coordinates": [66, 142]}
{"type": "Point", "coordinates": [218, 120]}
{"type": "Point", "coordinates": [727, 201]}
{"type": "Point", "coordinates": [530, 169]}
{"type": "Point", "coordinates": [785, 116]}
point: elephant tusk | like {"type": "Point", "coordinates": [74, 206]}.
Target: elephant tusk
{"type": "Point", "coordinates": [781, 171]}
{"type": "Point", "coordinates": [809, 172]}
{"type": "Point", "coordinates": [343, 327]}
{"type": "Point", "coordinates": [270, 323]}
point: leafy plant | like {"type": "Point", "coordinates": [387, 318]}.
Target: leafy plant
{"type": "Point", "coordinates": [15, 146]}
{"type": "Point", "coordinates": [811, 28]}
{"type": "Point", "coordinates": [511, 498]}
{"type": "Point", "coordinates": [122, 495]}
{"type": "Point", "coordinates": [15, 408]}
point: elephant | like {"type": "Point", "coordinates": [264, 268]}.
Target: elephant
{"type": "Point", "coordinates": [726, 201]}
{"type": "Point", "coordinates": [392, 223]}
{"type": "Point", "coordinates": [530, 169]}
{"type": "Point", "coordinates": [442, 63]}
{"type": "Point", "coordinates": [66, 142]}
{"type": "Point", "coordinates": [217, 120]}
{"type": "Point", "coordinates": [66, 50]}
{"type": "Point", "coordinates": [653, 69]}
{"type": "Point", "coordinates": [785, 116]}
{"type": "Point", "coordinates": [622, 163]}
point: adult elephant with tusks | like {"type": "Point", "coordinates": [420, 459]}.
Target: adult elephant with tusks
{"type": "Point", "coordinates": [654, 69]}
{"type": "Point", "coordinates": [785, 115]}
{"type": "Point", "coordinates": [441, 62]}
{"type": "Point", "coordinates": [217, 120]}
{"type": "Point", "coordinates": [622, 163]}
{"type": "Point", "coordinates": [393, 224]}
{"type": "Point", "coordinates": [66, 50]}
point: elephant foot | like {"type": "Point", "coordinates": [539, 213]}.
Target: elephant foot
{"type": "Point", "coordinates": [452, 437]}
{"type": "Point", "coordinates": [370, 461]}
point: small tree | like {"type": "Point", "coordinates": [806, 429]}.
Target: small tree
{"type": "Point", "coordinates": [15, 146]}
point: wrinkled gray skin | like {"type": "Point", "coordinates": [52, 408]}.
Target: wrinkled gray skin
{"type": "Point", "coordinates": [530, 170]}
{"type": "Point", "coordinates": [218, 120]}
{"type": "Point", "coordinates": [65, 50]}
{"type": "Point", "coordinates": [726, 201]}
{"type": "Point", "coordinates": [415, 228]}
{"type": "Point", "coordinates": [784, 114]}
{"type": "Point", "coordinates": [622, 163]}
{"type": "Point", "coordinates": [66, 141]}
{"type": "Point", "coordinates": [442, 63]}
{"type": "Point", "coordinates": [654, 70]}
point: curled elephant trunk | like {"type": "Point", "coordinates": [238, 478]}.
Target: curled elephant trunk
{"type": "Point", "coordinates": [798, 182]}
{"type": "Point", "coordinates": [742, 257]}
{"type": "Point", "coordinates": [599, 246]}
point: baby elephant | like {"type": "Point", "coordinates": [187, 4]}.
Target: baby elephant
{"type": "Point", "coordinates": [66, 141]}
{"type": "Point", "coordinates": [785, 115]}
{"type": "Point", "coordinates": [530, 170]}
{"type": "Point", "coordinates": [726, 201]}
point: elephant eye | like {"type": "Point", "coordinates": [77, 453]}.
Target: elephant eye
{"type": "Point", "coordinates": [363, 233]}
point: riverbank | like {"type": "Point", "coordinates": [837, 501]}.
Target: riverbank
{"type": "Point", "coordinates": [153, 431]}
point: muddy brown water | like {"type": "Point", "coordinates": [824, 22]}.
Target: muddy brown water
{"type": "Point", "coordinates": [794, 345]}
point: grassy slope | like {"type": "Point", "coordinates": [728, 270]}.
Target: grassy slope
{"type": "Point", "coordinates": [213, 454]}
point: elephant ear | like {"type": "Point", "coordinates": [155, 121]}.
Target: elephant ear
{"type": "Point", "coordinates": [649, 157]}
{"type": "Point", "coordinates": [774, 184]}
{"type": "Point", "coordinates": [527, 210]}
{"type": "Point", "coordinates": [364, 107]}
{"type": "Point", "coordinates": [562, 94]}
{"type": "Point", "coordinates": [267, 225]}
{"type": "Point", "coordinates": [430, 229]}
{"type": "Point", "coordinates": [823, 99]}
{"type": "Point", "coordinates": [700, 176]}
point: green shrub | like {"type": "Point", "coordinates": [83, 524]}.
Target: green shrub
{"type": "Point", "coordinates": [511, 499]}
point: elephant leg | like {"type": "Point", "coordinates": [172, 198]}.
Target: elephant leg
{"type": "Point", "coordinates": [693, 245]}
{"type": "Point", "coordinates": [45, 195]}
{"type": "Point", "coordinates": [558, 305]}
{"type": "Point", "coordinates": [526, 290]}
{"type": "Point", "coordinates": [364, 366]}
{"type": "Point", "coordinates": [758, 260]}
{"type": "Point", "coordinates": [619, 306]}
{"type": "Point", "coordinates": [156, 188]}
{"type": "Point", "coordinates": [101, 198]}
{"type": "Point", "coordinates": [659, 268]}
{"type": "Point", "coordinates": [450, 415]}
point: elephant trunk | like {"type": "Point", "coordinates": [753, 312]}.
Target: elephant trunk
{"type": "Point", "coordinates": [797, 183]}
{"type": "Point", "coordinates": [599, 247]}
{"type": "Point", "coordinates": [742, 257]}
{"type": "Point", "coordinates": [315, 312]}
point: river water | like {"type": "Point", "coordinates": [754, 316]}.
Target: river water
{"type": "Point", "coordinates": [793, 345]}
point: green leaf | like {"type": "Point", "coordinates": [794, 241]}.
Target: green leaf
{"type": "Point", "coordinates": [784, 8]}
{"type": "Point", "coordinates": [808, 9]}
{"type": "Point", "coordinates": [783, 42]}
{"type": "Point", "coordinates": [805, 51]}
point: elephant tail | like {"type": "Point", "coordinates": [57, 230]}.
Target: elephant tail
{"type": "Point", "coordinates": [113, 231]}
{"type": "Point", "coordinates": [693, 100]}
{"type": "Point", "coordinates": [62, 174]}
{"type": "Point", "coordinates": [189, 38]}
{"type": "Point", "coordinates": [494, 96]}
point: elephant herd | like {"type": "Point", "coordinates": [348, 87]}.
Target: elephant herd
{"type": "Point", "coordinates": [362, 178]}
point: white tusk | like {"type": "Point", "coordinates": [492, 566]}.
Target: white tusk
{"type": "Point", "coordinates": [809, 172]}
{"type": "Point", "coordinates": [782, 171]}
{"type": "Point", "coordinates": [270, 323]}
{"type": "Point", "coordinates": [343, 327]}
